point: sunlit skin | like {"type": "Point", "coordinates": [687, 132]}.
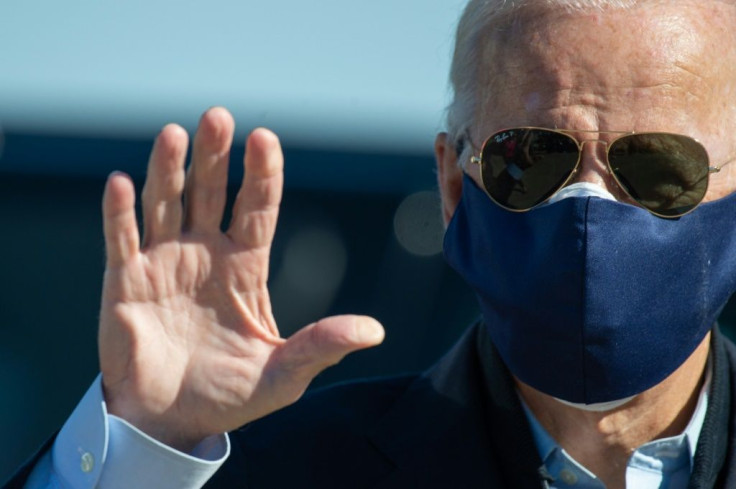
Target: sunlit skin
{"type": "Point", "coordinates": [188, 344]}
{"type": "Point", "coordinates": [666, 66]}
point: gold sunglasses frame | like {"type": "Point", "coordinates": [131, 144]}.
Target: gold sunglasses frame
{"type": "Point", "coordinates": [478, 160]}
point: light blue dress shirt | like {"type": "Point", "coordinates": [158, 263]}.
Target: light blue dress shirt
{"type": "Point", "coordinates": [97, 450]}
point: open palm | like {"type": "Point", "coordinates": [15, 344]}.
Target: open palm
{"type": "Point", "coordinates": [188, 344]}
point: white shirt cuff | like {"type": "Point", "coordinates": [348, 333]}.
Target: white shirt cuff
{"type": "Point", "coordinates": [97, 450]}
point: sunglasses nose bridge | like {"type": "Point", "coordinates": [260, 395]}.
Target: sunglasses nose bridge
{"type": "Point", "coordinates": [593, 165]}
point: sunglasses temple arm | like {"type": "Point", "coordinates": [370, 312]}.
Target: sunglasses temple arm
{"type": "Point", "coordinates": [716, 169]}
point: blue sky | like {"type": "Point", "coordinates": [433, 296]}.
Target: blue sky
{"type": "Point", "coordinates": [330, 72]}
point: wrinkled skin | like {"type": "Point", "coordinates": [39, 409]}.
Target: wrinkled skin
{"type": "Point", "coordinates": [188, 344]}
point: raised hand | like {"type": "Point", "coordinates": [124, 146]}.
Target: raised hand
{"type": "Point", "coordinates": [188, 344]}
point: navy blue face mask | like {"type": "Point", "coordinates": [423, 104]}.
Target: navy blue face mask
{"type": "Point", "coordinates": [590, 300]}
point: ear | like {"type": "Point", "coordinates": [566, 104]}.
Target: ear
{"type": "Point", "coordinates": [449, 175]}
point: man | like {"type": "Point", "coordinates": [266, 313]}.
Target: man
{"type": "Point", "coordinates": [582, 138]}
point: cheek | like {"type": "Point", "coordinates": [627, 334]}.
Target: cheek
{"type": "Point", "coordinates": [721, 152]}
{"type": "Point", "coordinates": [722, 183]}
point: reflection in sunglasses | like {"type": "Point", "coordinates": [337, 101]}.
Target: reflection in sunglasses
{"type": "Point", "coordinates": [665, 173]}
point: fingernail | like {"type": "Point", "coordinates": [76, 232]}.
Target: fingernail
{"type": "Point", "coordinates": [371, 331]}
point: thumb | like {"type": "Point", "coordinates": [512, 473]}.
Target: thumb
{"type": "Point", "coordinates": [324, 343]}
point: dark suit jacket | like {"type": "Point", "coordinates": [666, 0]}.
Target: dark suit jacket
{"type": "Point", "coordinates": [458, 425]}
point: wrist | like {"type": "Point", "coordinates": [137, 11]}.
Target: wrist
{"type": "Point", "coordinates": [159, 424]}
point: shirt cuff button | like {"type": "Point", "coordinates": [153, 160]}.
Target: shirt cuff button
{"type": "Point", "coordinates": [568, 477]}
{"type": "Point", "coordinates": [88, 462]}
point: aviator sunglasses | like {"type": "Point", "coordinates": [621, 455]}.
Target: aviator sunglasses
{"type": "Point", "coordinates": [665, 173]}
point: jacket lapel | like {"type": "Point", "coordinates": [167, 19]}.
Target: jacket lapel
{"type": "Point", "coordinates": [715, 444]}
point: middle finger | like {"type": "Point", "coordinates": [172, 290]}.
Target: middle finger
{"type": "Point", "coordinates": [206, 187]}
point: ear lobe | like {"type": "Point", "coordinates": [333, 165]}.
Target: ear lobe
{"type": "Point", "coordinates": [449, 175]}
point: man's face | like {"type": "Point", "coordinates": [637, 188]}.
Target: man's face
{"type": "Point", "coordinates": [662, 68]}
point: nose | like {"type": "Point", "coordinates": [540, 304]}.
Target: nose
{"type": "Point", "coordinates": [593, 168]}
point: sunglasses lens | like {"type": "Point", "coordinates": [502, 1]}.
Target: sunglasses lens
{"type": "Point", "coordinates": [665, 173]}
{"type": "Point", "coordinates": [523, 167]}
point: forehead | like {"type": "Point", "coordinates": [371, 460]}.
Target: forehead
{"type": "Point", "coordinates": [659, 64]}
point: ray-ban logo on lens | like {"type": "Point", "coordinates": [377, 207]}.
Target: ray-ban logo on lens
{"type": "Point", "coordinates": [502, 136]}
